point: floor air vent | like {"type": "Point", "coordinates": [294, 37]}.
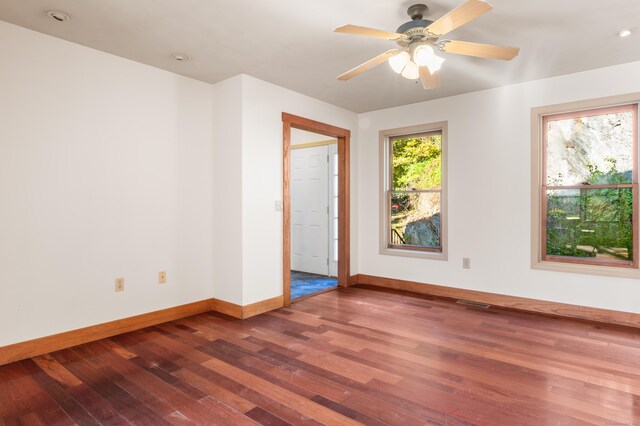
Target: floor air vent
{"type": "Point", "coordinates": [473, 304]}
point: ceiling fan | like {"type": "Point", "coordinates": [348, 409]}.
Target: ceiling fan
{"type": "Point", "coordinates": [420, 38]}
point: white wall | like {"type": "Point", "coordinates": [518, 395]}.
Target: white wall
{"type": "Point", "coordinates": [263, 104]}
{"type": "Point", "coordinates": [299, 137]}
{"type": "Point", "coordinates": [248, 182]}
{"type": "Point", "coordinates": [105, 171]}
{"type": "Point", "coordinates": [489, 191]}
{"type": "Point", "coordinates": [227, 217]}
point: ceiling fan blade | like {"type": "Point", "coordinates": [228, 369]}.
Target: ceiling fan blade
{"type": "Point", "coordinates": [466, 12]}
{"type": "Point", "coordinates": [369, 64]}
{"type": "Point", "coordinates": [368, 32]}
{"type": "Point", "coordinates": [481, 50]}
{"type": "Point", "coordinates": [428, 80]}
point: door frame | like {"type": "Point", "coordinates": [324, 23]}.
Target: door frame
{"type": "Point", "coordinates": [343, 136]}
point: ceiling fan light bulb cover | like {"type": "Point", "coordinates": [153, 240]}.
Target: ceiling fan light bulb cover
{"type": "Point", "coordinates": [399, 62]}
{"type": "Point", "coordinates": [411, 71]}
{"type": "Point", "coordinates": [422, 55]}
{"type": "Point", "coordinates": [435, 63]}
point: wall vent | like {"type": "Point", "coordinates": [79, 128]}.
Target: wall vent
{"type": "Point", "coordinates": [473, 304]}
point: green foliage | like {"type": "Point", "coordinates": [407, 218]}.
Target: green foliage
{"type": "Point", "coordinates": [417, 163]}
{"type": "Point", "coordinates": [585, 222]}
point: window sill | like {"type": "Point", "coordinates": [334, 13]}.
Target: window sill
{"type": "Point", "coordinates": [576, 268]}
{"type": "Point", "coordinates": [433, 255]}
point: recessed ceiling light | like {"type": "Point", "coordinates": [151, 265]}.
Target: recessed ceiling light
{"type": "Point", "coordinates": [179, 57]}
{"type": "Point", "coordinates": [624, 33]}
{"type": "Point", "coordinates": [58, 16]}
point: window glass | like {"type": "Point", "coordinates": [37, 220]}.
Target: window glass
{"type": "Point", "coordinates": [590, 223]}
{"type": "Point", "coordinates": [590, 190]}
{"type": "Point", "coordinates": [414, 196]}
{"type": "Point", "coordinates": [417, 162]}
{"type": "Point", "coordinates": [590, 150]}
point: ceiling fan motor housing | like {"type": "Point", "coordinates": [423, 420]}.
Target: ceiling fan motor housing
{"type": "Point", "coordinates": [412, 25]}
{"type": "Point", "coordinates": [414, 28]}
{"type": "Point", "coordinates": [414, 32]}
{"type": "Point", "coordinates": [417, 11]}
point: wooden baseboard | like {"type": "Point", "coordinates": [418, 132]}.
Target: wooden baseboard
{"type": "Point", "coordinates": [226, 308]}
{"type": "Point", "coordinates": [71, 338]}
{"type": "Point", "coordinates": [512, 302]}
{"type": "Point", "coordinates": [43, 345]}
{"type": "Point", "coordinates": [261, 307]}
{"type": "Point", "coordinates": [247, 311]}
{"type": "Point", "coordinates": [352, 280]}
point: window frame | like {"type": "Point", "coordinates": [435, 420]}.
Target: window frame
{"type": "Point", "coordinates": [539, 118]}
{"type": "Point", "coordinates": [386, 179]}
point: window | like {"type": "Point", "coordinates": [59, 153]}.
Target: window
{"type": "Point", "coordinates": [588, 188]}
{"type": "Point", "coordinates": [414, 196]}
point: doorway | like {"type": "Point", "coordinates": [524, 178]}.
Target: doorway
{"type": "Point", "coordinates": [315, 207]}
{"type": "Point", "coordinates": [314, 213]}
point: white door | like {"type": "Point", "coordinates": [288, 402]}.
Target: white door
{"type": "Point", "coordinates": [310, 210]}
{"type": "Point", "coordinates": [333, 210]}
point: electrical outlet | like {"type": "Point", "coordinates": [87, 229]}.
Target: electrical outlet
{"type": "Point", "coordinates": [162, 277]}
{"type": "Point", "coordinates": [466, 263]}
{"type": "Point", "coordinates": [119, 284]}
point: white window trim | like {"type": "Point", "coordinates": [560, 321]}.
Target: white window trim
{"type": "Point", "coordinates": [385, 135]}
{"type": "Point", "coordinates": [537, 172]}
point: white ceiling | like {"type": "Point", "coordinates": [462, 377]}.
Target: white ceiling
{"type": "Point", "coordinates": [290, 42]}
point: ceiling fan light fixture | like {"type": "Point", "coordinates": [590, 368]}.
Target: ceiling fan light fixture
{"type": "Point", "coordinates": [422, 54]}
{"type": "Point", "coordinates": [399, 62]}
{"type": "Point", "coordinates": [434, 63]}
{"type": "Point", "coordinates": [411, 71]}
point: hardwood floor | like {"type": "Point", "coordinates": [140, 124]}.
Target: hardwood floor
{"type": "Point", "coordinates": [356, 355]}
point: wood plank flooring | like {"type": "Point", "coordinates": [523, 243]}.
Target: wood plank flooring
{"type": "Point", "coordinates": [352, 356]}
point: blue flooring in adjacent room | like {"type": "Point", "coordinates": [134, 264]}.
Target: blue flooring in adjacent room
{"type": "Point", "coordinates": [303, 283]}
